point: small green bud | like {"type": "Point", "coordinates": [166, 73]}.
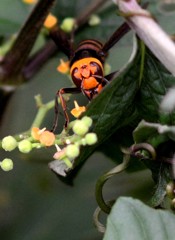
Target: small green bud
{"type": "Point", "coordinates": [94, 20]}
{"type": "Point", "coordinates": [7, 164]}
{"type": "Point", "coordinates": [72, 151]}
{"type": "Point", "coordinates": [25, 146]}
{"type": "Point", "coordinates": [87, 120]}
{"type": "Point", "coordinates": [91, 138]}
{"type": "Point", "coordinates": [80, 128]}
{"type": "Point", "coordinates": [9, 143]}
{"type": "Point", "coordinates": [107, 68]}
{"type": "Point", "coordinates": [68, 24]}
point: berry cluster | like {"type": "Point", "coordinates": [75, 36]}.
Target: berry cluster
{"type": "Point", "coordinates": [81, 137]}
{"type": "Point", "coordinates": [38, 138]}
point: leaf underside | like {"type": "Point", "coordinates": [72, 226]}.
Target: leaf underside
{"type": "Point", "coordinates": [132, 219]}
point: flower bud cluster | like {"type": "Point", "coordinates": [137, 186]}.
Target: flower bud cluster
{"type": "Point", "coordinates": [81, 137]}
{"type": "Point", "coordinates": [43, 137]}
{"type": "Point", "coordinates": [37, 139]}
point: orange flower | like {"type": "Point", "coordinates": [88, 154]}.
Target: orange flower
{"type": "Point", "coordinates": [50, 21]}
{"type": "Point", "coordinates": [30, 1]}
{"type": "Point", "coordinates": [63, 67]}
{"type": "Point", "coordinates": [77, 111]}
{"type": "Point", "coordinates": [35, 133]}
{"type": "Point", "coordinates": [47, 138]}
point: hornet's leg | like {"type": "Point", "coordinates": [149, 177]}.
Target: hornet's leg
{"type": "Point", "coordinates": [63, 105]}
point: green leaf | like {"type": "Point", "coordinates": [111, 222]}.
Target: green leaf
{"type": "Point", "coordinates": [156, 81]}
{"type": "Point", "coordinates": [116, 106]}
{"type": "Point", "coordinates": [162, 175]}
{"type": "Point", "coordinates": [131, 219]}
{"type": "Point", "coordinates": [153, 133]}
{"type": "Point", "coordinates": [112, 147]}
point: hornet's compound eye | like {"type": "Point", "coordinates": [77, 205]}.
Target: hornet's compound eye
{"type": "Point", "coordinates": [76, 76]}
{"type": "Point", "coordinates": [96, 69]}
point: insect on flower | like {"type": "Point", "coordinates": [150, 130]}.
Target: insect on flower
{"type": "Point", "coordinates": [86, 65]}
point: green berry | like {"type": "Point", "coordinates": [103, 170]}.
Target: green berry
{"type": "Point", "coordinates": [80, 128]}
{"type": "Point", "coordinates": [68, 24]}
{"type": "Point", "coordinates": [9, 143]}
{"type": "Point", "coordinates": [94, 20]}
{"type": "Point", "coordinates": [25, 146]}
{"type": "Point", "coordinates": [91, 138]}
{"type": "Point", "coordinates": [87, 120]}
{"type": "Point", "coordinates": [7, 164]}
{"type": "Point", "coordinates": [72, 151]}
